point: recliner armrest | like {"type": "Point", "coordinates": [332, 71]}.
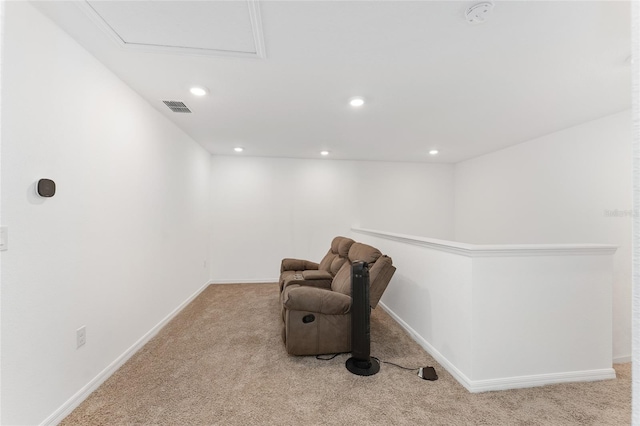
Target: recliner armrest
{"type": "Point", "coordinates": [312, 299]}
{"type": "Point", "coordinates": [309, 275]}
{"type": "Point", "coordinates": [297, 265]}
{"type": "Point", "coordinates": [300, 281]}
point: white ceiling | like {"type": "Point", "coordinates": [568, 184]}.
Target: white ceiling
{"type": "Point", "coordinates": [431, 80]}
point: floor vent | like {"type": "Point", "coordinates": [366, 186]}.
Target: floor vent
{"type": "Point", "coordinates": [177, 106]}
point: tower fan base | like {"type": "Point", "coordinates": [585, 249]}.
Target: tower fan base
{"type": "Point", "coordinates": [363, 368]}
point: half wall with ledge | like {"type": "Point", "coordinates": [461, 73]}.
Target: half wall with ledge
{"type": "Point", "coordinates": [503, 316]}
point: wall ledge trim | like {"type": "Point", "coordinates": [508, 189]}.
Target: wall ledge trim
{"type": "Point", "coordinates": [72, 403]}
{"type": "Point", "coordinates": [494, 250]}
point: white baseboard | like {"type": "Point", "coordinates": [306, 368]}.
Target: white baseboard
{"type": "Point", "coordinates": [505, 383]}
{"type": "Point", "coordinates": [73, 402]}
{"type": "Point", "coordinates": [622, 359]}
{"type": "Point", "coordinates": [541, 380]}
{"type": "Point", "coordinates": [246, 281]}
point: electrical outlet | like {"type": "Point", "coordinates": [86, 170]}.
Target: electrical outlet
{"type": "Point", "coordinates": [81, 336]}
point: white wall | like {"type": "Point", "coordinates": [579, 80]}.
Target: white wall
{"type": "Point", "coordinates": [264, 209]}
{"type": "Point", "coordinates": [556, 189]}
{"type": "Point", "coordinates": [407, 198]}
{"type": "Point", "coordinates": [1, 56]}
{"type": "Point", "coordinates": [635, 296]}
{"type": "Point", "coordinates": [123, 242]}
{"type": "Point", "coordinates": [538, 315]}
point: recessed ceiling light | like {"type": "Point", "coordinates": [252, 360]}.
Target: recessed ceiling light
{"type": "Point", "coordinates": [356, 102]}
{"type": "Point", "coordinates": [238, 149]}
{"type": "Point", "coordinates": [324, 153]}
{"type": "Point", "coordinates": [198, 91]}
{"type": "Point", "coordinates": [433, 152]}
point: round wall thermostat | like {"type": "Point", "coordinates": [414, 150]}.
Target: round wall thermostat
{"type": "Point", "coordinates": [46, 188]}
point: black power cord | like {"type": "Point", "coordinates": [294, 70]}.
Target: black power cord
{"type": "Point", "coordinates": [327, 359]}
{"type": "Point", "coordinates": [426, 373]}
{"type": "Point", "coordinates": [396, 365]}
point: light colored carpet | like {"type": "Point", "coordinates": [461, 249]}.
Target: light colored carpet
{"type": "Point", "coordinates": [221, 361]}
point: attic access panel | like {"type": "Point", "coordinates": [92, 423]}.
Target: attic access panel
{"type": "Point", "coordinates": [224, 28]}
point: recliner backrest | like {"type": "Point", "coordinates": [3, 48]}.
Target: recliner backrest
{"type": "Point", "coordinates": [358, 252]}
{"type": "Point", "coordinates": [337, 255]}
{"type": "Point", "coordinates": [380, 274]}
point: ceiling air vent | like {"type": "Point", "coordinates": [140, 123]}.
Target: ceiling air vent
{"type": "Point", "coordinates": [177, 106]}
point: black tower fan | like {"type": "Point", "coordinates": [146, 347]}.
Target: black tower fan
{"type": "Point", "coordinates": [361, 362]}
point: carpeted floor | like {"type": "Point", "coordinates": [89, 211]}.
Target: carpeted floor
{"type": "Point", "coordinates": [221, 361]}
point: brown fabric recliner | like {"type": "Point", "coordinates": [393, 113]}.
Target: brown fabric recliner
{"type": "Point", "coordinates": [318, 320]}
{"type": "Point", "coordinates": [305, 272]}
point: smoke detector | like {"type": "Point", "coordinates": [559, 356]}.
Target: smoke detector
{"type": "Point", "coordinates": [478, 13]}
